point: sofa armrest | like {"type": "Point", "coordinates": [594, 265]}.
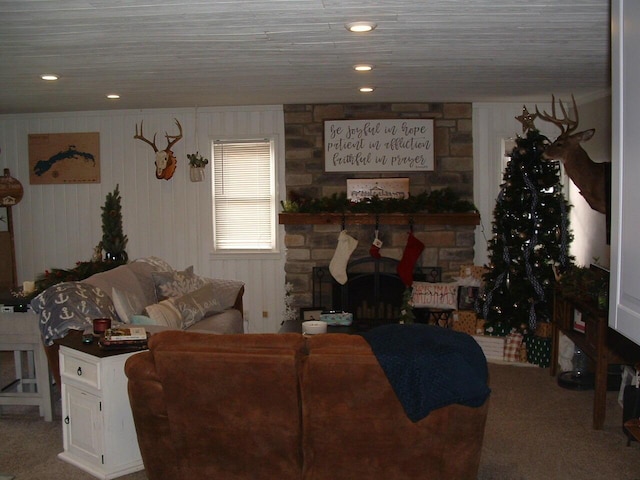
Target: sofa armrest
{"type": "Point", "coordinates": [150, 417]}
{"type": "Point", "coordinates": [238, 303]}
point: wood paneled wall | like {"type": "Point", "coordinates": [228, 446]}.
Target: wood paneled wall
{"type": "Point", "coordinates": [59, 225]}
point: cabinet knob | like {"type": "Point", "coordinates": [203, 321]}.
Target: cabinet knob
{"type": "Point", "coordinates": [66, 419]}
{"type": "Point", "coordinates": [79, 371]}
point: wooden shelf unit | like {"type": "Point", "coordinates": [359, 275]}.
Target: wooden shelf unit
{"type": "Point", "coordinates": [382, 218]}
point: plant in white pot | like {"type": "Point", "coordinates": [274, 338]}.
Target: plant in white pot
{"type": "Point", "coordinates": [196, 166]}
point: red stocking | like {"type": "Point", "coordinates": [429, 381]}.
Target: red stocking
{"type": "Point", "coordinates": [374, 249]}
{"type": "Point", "coordinates": [409, 257]}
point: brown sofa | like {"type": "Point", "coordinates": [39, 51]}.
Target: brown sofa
{"type": "Point", "coordinates": [282, 406]}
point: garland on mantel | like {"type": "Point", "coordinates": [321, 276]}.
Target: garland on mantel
{"type": "Point", "coordinates": [437, 201]}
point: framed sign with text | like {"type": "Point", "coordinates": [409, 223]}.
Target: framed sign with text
{"type": "Point", "coordinates": [378, 145]}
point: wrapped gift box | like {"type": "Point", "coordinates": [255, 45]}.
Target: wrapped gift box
{"type": "Point", "coordinates": [474, 271]}
{"type": "Point", "coordinates": [492, 347]}
{"type": "Point", "coordinates": [339, 319]}
{"type": "Point", "coordinates": [497, 329]}
{"type": "Point", "coordinates": [465, 321]}
{"type": "Point", "coordinates": [538, 350]}
{"type": "Point", "coordinates": [512, 347]}
{"type": "Point", "coordinates": [543, 329]}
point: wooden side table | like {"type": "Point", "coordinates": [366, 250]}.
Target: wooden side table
{"type": "Point", "coordinates": [633, 426]}
{"type": "Point", "coordinates": [19, 333]}
{"type": "Point", "coordinates": [601, 344]}
{"type": "Point", "coordinates": [98, 431]}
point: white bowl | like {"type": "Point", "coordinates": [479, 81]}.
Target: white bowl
{"type": "Point", "coordinates": [313, 327]}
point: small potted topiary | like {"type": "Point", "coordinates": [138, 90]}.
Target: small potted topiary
{"type": "Point", "coordinates": [196, 163]}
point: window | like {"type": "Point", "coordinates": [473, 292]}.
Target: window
{"type": "Point", "coordinates": [244, 198]}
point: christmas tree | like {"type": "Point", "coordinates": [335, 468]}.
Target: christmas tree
{"type": "Point", "coordinates": [530, 241]}
{"type": "Point", "coordinates": [113, 239]}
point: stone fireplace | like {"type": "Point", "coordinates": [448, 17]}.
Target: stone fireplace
{"type": "Point", "coordinates": [312, 245]}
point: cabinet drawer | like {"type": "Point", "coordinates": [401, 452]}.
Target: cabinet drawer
{"type": "Point", "coordinates": [80, 370]}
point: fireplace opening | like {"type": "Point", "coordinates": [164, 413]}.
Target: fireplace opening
{"type": "Point", "coordinates": [373, 291]}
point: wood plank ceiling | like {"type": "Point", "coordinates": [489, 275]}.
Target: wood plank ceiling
{"type": "Point", "coordinates": [170, 53]}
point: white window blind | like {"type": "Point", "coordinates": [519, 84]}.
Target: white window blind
{"type": "Point", "coordinates": [244, 195]}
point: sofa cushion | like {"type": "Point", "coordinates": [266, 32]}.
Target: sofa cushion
{"type": "Point", "coordinates": [232, 403]}
{"type": "Point", "coordinates": [350, 411]}
{"type": "Point", "coordinates": [134, 278]}
{"type": "Point", "coordinates": [229, 321]}
{"type": "Point", "coordinates": [215, 296]}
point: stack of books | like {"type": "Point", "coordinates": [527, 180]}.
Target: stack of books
{"type": "Point", "coordinates": [124, 337]}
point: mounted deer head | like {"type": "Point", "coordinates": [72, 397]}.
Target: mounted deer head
{"type": "Point", "coordinates": [588, 176]}
{"type": "Point", "coordinates": [165, 159]}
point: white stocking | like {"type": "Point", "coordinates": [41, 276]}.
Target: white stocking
{"type": "Point", "coordinates": [338, 266]}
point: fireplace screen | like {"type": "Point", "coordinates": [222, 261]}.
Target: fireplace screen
{"type": "Point", "coordinates": [372, 293]}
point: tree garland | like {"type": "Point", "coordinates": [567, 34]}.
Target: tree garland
{"type": "Point", "coordinates": [437, 201]}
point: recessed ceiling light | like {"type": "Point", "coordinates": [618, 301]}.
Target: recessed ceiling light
{"type": "Point", "coordinates": [360, 27]}
{"type": "Point", "coordinates": [113, 96]}
{"type": "Point", "coordinates": [363, 68]}
{"type": "Point", "coordinates": [366, 89]}
{"type": "Point", "coordinates": [50, 77]}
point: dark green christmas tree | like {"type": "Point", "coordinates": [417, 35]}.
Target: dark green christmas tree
{"type": "Point", "coordinates": [530, 240]}
{"type": "Point", "coordinates": [114, 241]}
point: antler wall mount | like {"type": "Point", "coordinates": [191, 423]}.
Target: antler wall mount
{"type": "Point", "coordinates": [165, 159]}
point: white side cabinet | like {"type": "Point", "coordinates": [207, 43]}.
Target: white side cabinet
{"type": "Point", "coordinates": [97, 425]}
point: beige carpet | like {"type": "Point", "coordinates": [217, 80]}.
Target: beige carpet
{"type": "Point", "coordinates": [536, 430]}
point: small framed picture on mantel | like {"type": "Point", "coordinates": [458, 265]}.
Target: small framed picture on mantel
{"type": "Point", "coordinates": [310, 313]}
{"type": "Point", "coordinates": [359, 189]}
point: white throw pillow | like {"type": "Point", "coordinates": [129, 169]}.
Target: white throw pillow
{"type": "Point", "coordinates": [164, 313]}
{"type": "Point", "coordinates": [126, 304]}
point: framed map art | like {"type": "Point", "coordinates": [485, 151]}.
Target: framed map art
{"type": "Point", "coordinates": [64, 158]}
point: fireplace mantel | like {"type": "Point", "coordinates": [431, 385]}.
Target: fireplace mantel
{"type": "Point", "coordinates": [383, 218]}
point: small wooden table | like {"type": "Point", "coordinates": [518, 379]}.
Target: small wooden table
{"type": "Point", "coordinates": [600, 343]}
{"type": "Point", "coordinates": [633, 426]}
{"type": "Point", "coordinates": [19, 333]}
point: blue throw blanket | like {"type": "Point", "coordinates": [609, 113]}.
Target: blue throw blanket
{"type": "Point", "coordinates": [70, 306]}
{"type": "Point", "coordinates": [430, 367]}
